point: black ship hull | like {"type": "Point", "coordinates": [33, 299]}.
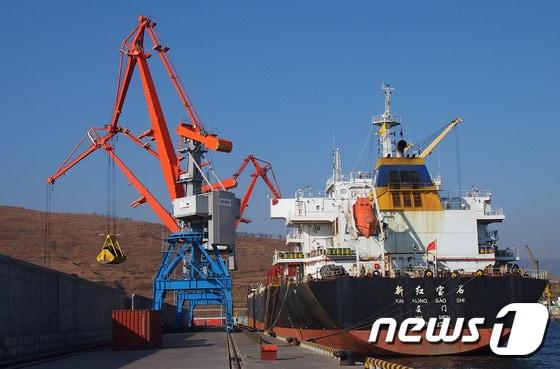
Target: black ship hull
{"type": "Point", "coordinates": [339, 313]}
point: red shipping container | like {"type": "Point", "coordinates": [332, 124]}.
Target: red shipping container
{"type": "Point", "coordinates": [136, 329]}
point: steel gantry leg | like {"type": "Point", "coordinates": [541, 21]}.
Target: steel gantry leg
{"type": "Point", "coordinates": [205, 278]}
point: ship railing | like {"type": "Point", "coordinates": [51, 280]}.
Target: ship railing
{"type": "Point", "coordinates": [537, 274]}
{"type": "Point", "coordinates": [287, 255]}
{"type": "Point", "coordinates": [527, 273]}
{"type": "Point", "coordinates": [352, 177]}
{"type": "Point", "coordinates": [308, 193]}
{"type": "Point", "coordinates": [340, 251]}
{"type": "Point", "coordinates": [502, 272]}
{"type": "Point", "coordinates": [419, 186]}
{"type": "Point", "coordinates": [294, 235]}
{"type": "Point", "coordinates": [360, 176]}
{"type": "Point", "coordinates": [454, 204]}
{"type": "Point", "coordinates": [331, 252]}
{"type": "Point", "coordinates": [465, 193]}
{"type": "Point", "coordinates": [487, 249]}
{"type": "Point", "coordinates": [507, 253]}
{"type": "Point", "coordinates": [413, 272]}
{"type": "Point", "coordinates": [385, 118]}
{"type": "Point", "coordinates": [494, 211]}
{"type": "Point", "coordinates": [419, 272]}
{"type": "Point", "coordinates": [341, 178]}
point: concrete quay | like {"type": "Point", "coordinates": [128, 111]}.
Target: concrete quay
{"type": "Point", "coordinates": [206, 349]}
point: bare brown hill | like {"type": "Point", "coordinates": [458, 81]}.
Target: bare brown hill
{"type": "Point", "coordinates": [75, 239]}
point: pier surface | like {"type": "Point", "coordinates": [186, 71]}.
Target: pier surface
{"type": "Point", "coordinates": [289, 356]}
{"type": "Point", "coordinates": [199, 350]}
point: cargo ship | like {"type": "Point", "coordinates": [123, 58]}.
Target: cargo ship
{"type": "Point", "coordinates": [389, 243]}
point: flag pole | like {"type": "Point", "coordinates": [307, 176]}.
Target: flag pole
{"type": "Point", "coordinates": [436, 256]}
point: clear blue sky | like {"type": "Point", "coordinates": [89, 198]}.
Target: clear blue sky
{"type": "Point", "coordinates": [276, 78]}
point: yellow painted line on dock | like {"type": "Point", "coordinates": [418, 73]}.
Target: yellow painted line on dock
{"type": "Point", "coordinates": [373, 363]}
{"type": "Point", "coordinates": [320, 349]}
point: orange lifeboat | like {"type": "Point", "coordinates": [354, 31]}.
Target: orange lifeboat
{"type": "Point", "coordinates": [364, 217]}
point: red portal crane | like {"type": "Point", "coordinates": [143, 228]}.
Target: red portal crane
{"type": "Point", "coordinates": [134, 54]}
{"type": "Point", "coordinates": [205, 278]}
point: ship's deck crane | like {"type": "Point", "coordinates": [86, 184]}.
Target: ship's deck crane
{"type": "Point", "coordinates": [205, 277]}
{"type": "Point", "coordinates": [432, 145]}
{"type": "Point", "coordinates": [534, 260]}
{"type": "Point", "coordinates": [547, 293]}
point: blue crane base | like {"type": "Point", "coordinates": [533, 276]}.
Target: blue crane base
{"type": "Point", "coordinates": [205, 278]}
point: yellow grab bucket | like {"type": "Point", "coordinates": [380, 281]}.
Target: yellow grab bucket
{"type": "Point", "coordinates": [111, 252]}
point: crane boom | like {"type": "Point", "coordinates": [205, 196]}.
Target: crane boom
{"type": "Point", "coordinates": [160, 211]}
{"type": "Point", "coordinates": [428, 150]}
{"type": "Point", "coordinates": [162, 52]}
{"type": "Point", "coordinates": [533, 258]}
{"type": "Point", "coordinates": [262, 168]}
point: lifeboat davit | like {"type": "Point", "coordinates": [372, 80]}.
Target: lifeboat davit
{"type": "Point", "coordinates": [364, 217]}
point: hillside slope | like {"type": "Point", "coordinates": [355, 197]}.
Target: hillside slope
{"type": "Point", "coordinates": [75, 239]}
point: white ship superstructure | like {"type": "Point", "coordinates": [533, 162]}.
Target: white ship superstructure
{"type": "Point", "coordinates": [393, 220]}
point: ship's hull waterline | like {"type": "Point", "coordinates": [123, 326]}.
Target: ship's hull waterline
{"type": "Point", "coordinates": [339, 312]}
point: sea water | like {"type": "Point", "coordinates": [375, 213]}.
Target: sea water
{"type": "Point", "coordinates": [548, 356]}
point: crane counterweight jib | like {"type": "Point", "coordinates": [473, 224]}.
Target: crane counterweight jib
{"type": "Point", "coordinates": [227, 183]}
{"type": "Point", "coordinates": [210, 141]}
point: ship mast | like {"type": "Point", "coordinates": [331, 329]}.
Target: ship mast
{"type": "Point", "coordinates": [337, 166]}
{"type": "Point", "coordinates": [385, 122]}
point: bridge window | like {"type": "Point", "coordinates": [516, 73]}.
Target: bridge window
{"type": "Point", "coordinates": [406, 200]}
{"type": "Point", "coordinates": [417, 199]}
{"type": "Point", "coordinates": [401, 174]}
{"type": "Point", "coordinates": [396, 199]}
{"type": "Point", "coordinates": [406, 177]}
